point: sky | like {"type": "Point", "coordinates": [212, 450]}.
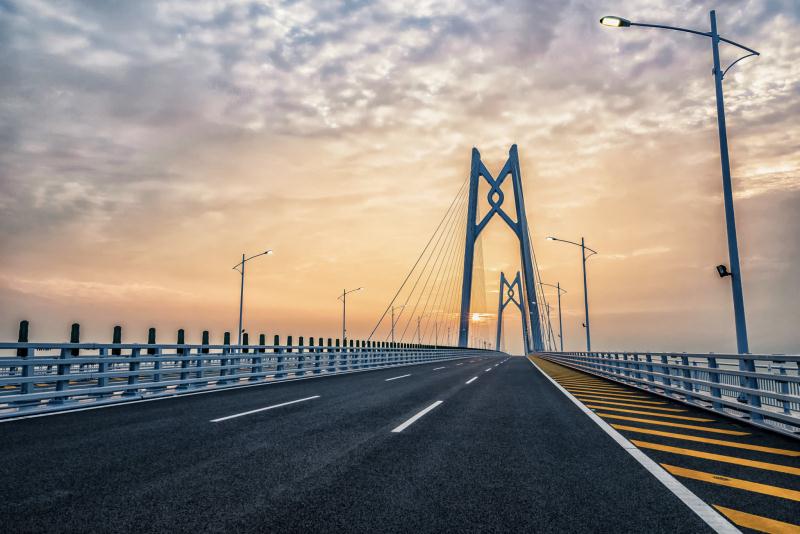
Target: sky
{"type": "Point", "coordinates": [144, 146]}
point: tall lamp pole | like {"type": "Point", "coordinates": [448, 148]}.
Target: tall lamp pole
{"type": "Point", "coordinates": [584, 257]}
{"type": "Point", "coordinates": [727, 190]}
{"type": "Point", "coordinates": [393, 320]}
{"type": "Point", "coordinates": [240, 267]}
{"type": "Point", "coordinates": [343, 298]}
{"type": "Point", "coordinates": [560, 325]}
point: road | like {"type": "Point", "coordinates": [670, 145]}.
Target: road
{"type": "Point", "coordinates": [487, 445]}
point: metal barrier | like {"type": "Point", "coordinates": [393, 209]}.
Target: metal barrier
{"type": "Point", "coordinates": [46, 377]}
{"type": "Point", "coordinates": [761, 389]}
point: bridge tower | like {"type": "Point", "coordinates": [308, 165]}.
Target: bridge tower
{"type": "Point", "coordinates": [510, 293]}
{"type": "Point", "coordinates": [519, 225]}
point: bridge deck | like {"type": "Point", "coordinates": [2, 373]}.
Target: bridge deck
{"type": "Point", "coordinates": [504, 452]}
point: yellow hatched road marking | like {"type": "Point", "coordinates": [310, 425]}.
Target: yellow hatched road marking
{"type": "Point", "coordinates": [604, 391]}
{"type": "Point", "coordinates": [718, 457]}
{"type": "Point", "coordinates": [617, 395]}
{"type": "Point", "coordinates": [640, 412]}
{"type": "Point", "coordinates": [618, 398]}
{"type": "Point", "coordinates": [600, 387]}
{"type": "Point", "coordinates": [737, 483]}
{"type": "Point", "coordinates": [588, 382]}
{"type": "Point", "coordinates": [633, 404]}
{"type": "Point", "coordinates": [757, 522]}
{"type": "Point", "coordinates": [712, 441]}
{"type": "Point", "coordinates": [676, 425]}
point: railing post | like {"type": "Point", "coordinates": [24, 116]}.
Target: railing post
{"type": "Point", "coordinates": [649, 367]}
{"type": "Point", "coordinates": [133, 378]}
{"type": "Point", "coordinates": [151, 340]}
{"type": "Point", "coordinates": [65, 368]}
{"type": "Point", "coordinates": [331, 357]}
{"type": "Point", "coordinates": [301, 359]}
{"type": "Point", "coordinates": [102, 367]}
{"type": "Point", "coordinates": [223, 361]}
{"type": "Point", "coordinates": [183, 352]}
{"type": "Point", "coordinates": [753, 399]}
{"type": "Point", "coordinates": [713, 377]}
{"type": "Point", "coordinates": [116, 339]}
{"type": "Point", "coordinates": [280, 358]}
{"type": "Point", "coordinates": [784, 386]}
{"type": "Point", "coordinates": [202, 359]}
{"type": "Point", "coordinates": [289, 355]}
{"type": "Point", "coordinates": [28, 370]}
{"type": "Point", "coordinates": [317, 356]}
{"type": "Point", "coordinates": [687, 373]}
{"type": "Point", "coordinates": [666, 373]}
{"type": "Point", "coordinates": [258, 367]}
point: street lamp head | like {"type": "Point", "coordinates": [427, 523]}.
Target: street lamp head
{"type": "Point", "coordinates": [269, 252]}
{"type": "Point", "coordinates": [359, 289]}
{"type": "Point", "coordinates": [722, 270]}
{"type": "Point", "coordinates": [551, 238]}
{"type": "Point", "coordinates": [615, 22]}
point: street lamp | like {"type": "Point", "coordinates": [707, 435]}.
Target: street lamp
{"type": "Point", "coordinates": [240, 267]}
{"type": "Point", "coordinates": [727, 192]}
{"type": "Point", "coordinates": [343, 298]}
{"type": "Point", "coordinates": [560, 325]}
{"type": "Point", "coordinates": [727, 189]}
{"type": "Point", "coordinates": [393, 320]}
{"type": "Point", "coordinates": [584, 257]}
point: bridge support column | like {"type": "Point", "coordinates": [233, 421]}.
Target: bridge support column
{"type": "Point", "coordinates": [519, 225]}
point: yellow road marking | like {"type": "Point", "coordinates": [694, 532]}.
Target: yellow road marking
{"type": "Point", "coordinates": [718, 457]}
{"type": "Point", "coordinates": [617, 398]}
{"type": "Point", "coordinates": [737, 483]}
{"type": "Point", "coordinates": [594, 386]}
{"type": "Point", "coordinates": [757, 522]}
{"type": "Point", "coordinates": [633, 404]}
{"type": "Point", "coordinates": [676, 425]}
{"type": "Point", "coordinates": [605, 391]}
{"type": "Point", "coordinates": [616, 395]}
{"type": "Point", "coordinates": [640, 412]}
{"type": "Point", "coordinates": [712, 441]}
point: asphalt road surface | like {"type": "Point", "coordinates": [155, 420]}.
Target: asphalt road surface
{"type": "Point", "coordinates": [481, 445]}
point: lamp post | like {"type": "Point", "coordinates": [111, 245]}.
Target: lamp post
{"type": "Point", "coordinates": [343, 298]}
{"type": "Point", "coordinates": [393, 320]}
{"type": "Point", "coordinates": [727, 190]}
{"type": "Point", "coordinates": [240, 267]}
{"type": "Point", "coordinates": [560, 325]}
{"type": "Point", "coordinates": [584, 257]}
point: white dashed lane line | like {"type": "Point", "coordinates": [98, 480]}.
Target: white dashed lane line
{"type": "Point", "coordinates": [396, 377]}
{"type": "Point", "coordinates": [411, 420]}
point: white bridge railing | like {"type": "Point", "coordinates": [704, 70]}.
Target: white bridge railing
{"type": "Point", "coordinates": [767, 395]}
{"type": "Point", "coordinates": [46, 377]}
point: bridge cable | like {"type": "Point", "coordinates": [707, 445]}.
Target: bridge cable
{"type": "Point", "coordinates": [391, 303]}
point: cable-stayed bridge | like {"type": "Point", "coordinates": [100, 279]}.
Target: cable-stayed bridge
{"type": "Point", "coordinates": [426, 424]}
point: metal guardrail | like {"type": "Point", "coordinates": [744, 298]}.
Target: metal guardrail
{"type": "Point", "coordinates": [47, 377]}
{"type": "Point", "coordinates": [761, 389]}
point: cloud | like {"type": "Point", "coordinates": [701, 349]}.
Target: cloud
{"type": "Point", "coordinates": [136, 137]}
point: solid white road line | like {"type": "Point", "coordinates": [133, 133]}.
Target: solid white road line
{"type": "Point", "coordinates": [262, 409]}
{"type": "Point", "coordinates": [471, 380]}
{"type": "Point", "coordinates": [395, 378]}
{"type": "Point", "coordinates": [417, 416]}
{"type": "Point", "coordinates": [438, 368]}
{"type": "Point", "coordinates": [697, 505]}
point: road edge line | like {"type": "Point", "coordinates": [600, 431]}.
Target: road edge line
{"type": "Point", "coordinates": [704, 510]}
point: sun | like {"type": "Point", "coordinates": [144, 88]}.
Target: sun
{"type": "Point", "coordinates": [476, 316]}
